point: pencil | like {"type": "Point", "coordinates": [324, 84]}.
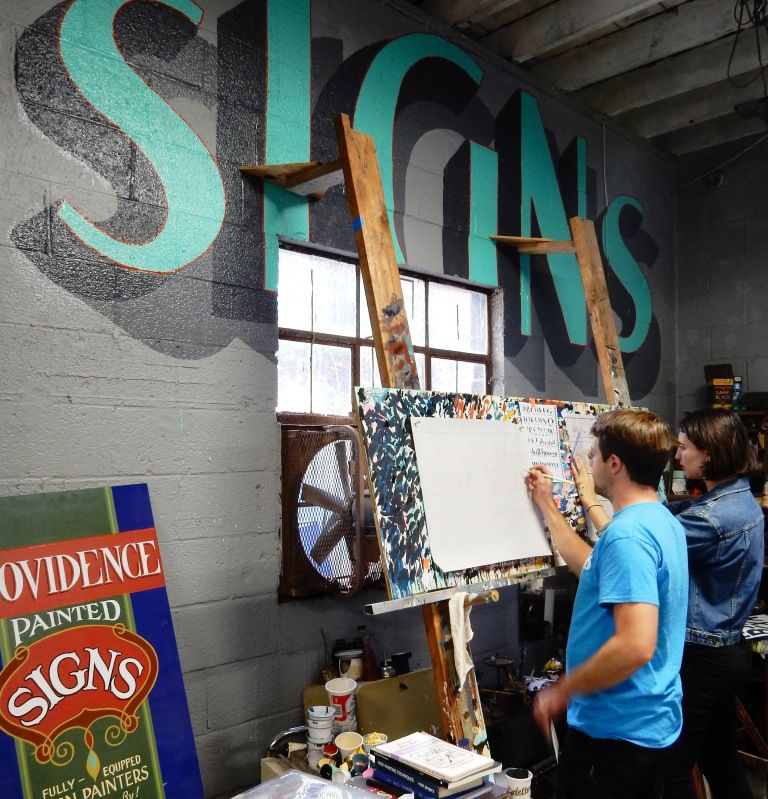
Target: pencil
{"type": "Point", "coordinates": [549, 477]}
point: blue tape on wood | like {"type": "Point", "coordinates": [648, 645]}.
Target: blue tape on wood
{"type": "Point", "coordinates": [357, 224]}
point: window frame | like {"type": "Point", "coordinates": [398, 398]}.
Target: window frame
{"type": "Point", "coordinates": [356, 343]}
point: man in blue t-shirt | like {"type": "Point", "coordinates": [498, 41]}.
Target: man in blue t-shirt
{"type": "Point", "coordinates": [622, 685]}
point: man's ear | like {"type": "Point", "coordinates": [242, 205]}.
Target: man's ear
{"type": "Point", "coordinates": [615, 464]}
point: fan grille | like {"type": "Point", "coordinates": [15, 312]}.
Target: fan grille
{"type": "Point", "coordinates": [323, 549]}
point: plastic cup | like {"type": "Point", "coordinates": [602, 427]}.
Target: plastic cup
{"type": "Point", "coordinates": [323, 736]}
{"type": "Point", "coordinates": [517, 781]}
{"type": "Point", "coordinates": [321, 712]}
{"type": "Point", "coordinates": [348, 742]}
{"type": "Point", "coordinates": [373, 739]}
{"type": "Point", "coordinates": [341, 694]}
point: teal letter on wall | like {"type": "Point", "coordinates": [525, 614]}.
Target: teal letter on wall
{"type": "Point", "coordinates": [288, 123]}
{"type": "Point", "coordinates": [539, 191]}
{"type": "Point", "coordinates": [193, 189]}
{"type": "Point", "coordinates": [628, 272]}
{"type": "Point", "coordinates": [483, 214]}
{"type": "Point", "coordinates": [376, 103]}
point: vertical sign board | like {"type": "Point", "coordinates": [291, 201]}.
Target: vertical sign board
{"type": "Point", "coordinates": [92, 702]}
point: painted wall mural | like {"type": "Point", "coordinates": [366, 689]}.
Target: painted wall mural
{"type": "Point", "coordinates": [163, 110]}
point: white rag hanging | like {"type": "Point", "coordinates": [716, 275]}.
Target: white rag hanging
{"type": "Point", "coordinates": [461, 632]}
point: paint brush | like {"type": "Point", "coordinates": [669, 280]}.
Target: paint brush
{"type": "Point", "coordinates": [549, 477]}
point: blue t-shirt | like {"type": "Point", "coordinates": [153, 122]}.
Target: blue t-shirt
{"type": "Point", "coordinates": [641, 557]}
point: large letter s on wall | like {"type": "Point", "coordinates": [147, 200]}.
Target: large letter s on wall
{"type": "Point", "coordinates": [192, 184]}
{"type": "Point", "coordinates": [628, 271]}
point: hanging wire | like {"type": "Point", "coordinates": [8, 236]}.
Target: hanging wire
{"type": "Point", "coordinates": [746, 13]}
{"type": "Point", "coordinates": [753, 13]}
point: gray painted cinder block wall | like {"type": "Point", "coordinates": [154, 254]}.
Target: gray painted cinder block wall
{"type": "Point", "coordinates": [722, 279]}
{"type": "Point", "coordinates": [108, 376]}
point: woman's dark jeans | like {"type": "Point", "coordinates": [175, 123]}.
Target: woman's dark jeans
{"type": "Point", "coordinates": [711, 675]}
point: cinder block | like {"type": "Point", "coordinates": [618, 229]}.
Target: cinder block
{"type": "Point", "coordinates": [212, 634]}
{"type": "Point", "coordinates": [254, 563]}
{"type": "Point", "coordinates": [187, 580]}
{"type": "Point", "coordinates": [229, 759]}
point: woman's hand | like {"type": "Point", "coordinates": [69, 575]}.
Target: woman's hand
{"type": "Point", "coordinates": [585, 485]}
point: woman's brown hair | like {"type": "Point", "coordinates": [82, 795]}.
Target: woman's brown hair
{"type": "Point", "coordinates": [722, 435]}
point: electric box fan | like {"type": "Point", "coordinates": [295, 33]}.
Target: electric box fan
{"type": "Point", "coordinates": [323, 551]}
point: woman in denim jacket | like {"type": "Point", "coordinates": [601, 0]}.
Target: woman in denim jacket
{"type": "Point", "coordinates": [724, 531]}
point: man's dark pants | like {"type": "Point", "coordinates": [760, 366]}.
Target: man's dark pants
{"type": "Point", "coordinates": [600, 768]}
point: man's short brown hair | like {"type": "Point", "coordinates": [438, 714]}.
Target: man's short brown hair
{"type": "Point", "coordinates": [641, 440]}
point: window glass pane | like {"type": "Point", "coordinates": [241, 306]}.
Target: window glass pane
{"type": "Point", "coordinates": [294, 290]}
{"type": "Point", "coordinates": [471, 377]}
{"type": "Point", "coordinates": [458, 319]}
{"type": "Point", "coordinates": [448, 375]}
{"type": "Point", "coordinates": [293, 392]}
{"type": "Point", "coordinates": [334, 296]}
{"type": "Point", "coordinates": [365, 319]}
{"type": "Point", "coordinates": [316, 293]}
{"type": "Point", "coordinates": [443, 374]}
{"type": "Point", "coordinates": [331, 379]}
{"type": "Point", "coordinates": [413, 295]}
{"type": "Point", "coordinates": [369, 367]}
{"type": "Point", "coordinates": [414, 290]}
{"type": "Point", "coordinates": [419, 357]}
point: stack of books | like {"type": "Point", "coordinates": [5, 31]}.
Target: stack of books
{"type": "Point", "coordinates": [433, 769]}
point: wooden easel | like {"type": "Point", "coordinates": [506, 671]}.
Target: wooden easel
{"type": "Point", "coordinates": [460, 711]}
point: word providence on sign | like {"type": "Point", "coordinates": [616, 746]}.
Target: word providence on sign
{"type": "Point", "coordinates": [61, 572]}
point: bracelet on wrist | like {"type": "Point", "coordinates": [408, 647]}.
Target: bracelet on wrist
{"type": "Point", "coordinates": [593, 505]}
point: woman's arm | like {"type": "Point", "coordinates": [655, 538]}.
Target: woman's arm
{"type": "Point", "coordinates": [585, 485]}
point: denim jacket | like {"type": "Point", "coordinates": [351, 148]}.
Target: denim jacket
{"type": "Point", "coordinates": [724, 532]}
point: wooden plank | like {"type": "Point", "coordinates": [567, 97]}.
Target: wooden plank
{"type": "Point", "coordinates": [278, 173]}
{"type": "Point", "coordinates": [515, 240]}
{"type": "Point", "coordinates": [381, 278]}
{"type": "Point", "coordinates": [531, 245]}
{"type": "Point", "coordinates": [693, 23]}
{"type": "Point", "coordinates": [309, 179]}
{"type": "Point", "coordinates": [546, 248]}
{"type": "Point", "coordinates": [600, 312]}
{"type": "Point", "coordinates": [560, 24]}
{"type": "Point", "coordinates": [708, 134]}
{"type": "Point", "coordinates": [316, 181]}
{"type": "Point", "coordinates": [694, 69]}
{"type": "Point", "coordinates": [460, 713]}
{"type": "Point", "coordinates": [692, 108]}
{"type": "Point", "coordinates": [457, 11]}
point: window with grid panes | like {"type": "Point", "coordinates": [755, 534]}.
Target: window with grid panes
{"type": "Point", "coordinates": [326, 345]}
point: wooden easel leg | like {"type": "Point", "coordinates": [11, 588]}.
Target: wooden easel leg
{"type": "Point", "coordinates": [600, 313]}
{"type": "Point", "coordinates": [461, 712]}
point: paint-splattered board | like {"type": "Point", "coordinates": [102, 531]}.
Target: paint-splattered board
{"type": "Point", "coordinates": [383, 415]}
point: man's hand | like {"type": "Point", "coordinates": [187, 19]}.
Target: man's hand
{"type": "Point", "coordinates": [550, 704]}
{"type": "Point", "coordinates": [539, 486]}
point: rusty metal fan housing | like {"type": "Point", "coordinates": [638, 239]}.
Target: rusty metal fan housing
{"type": "Point", "coordinates": [321, 525]}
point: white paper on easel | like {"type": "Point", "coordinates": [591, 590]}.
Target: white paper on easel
{"type": "Point", "coordinates": [472, 476]}
{"type": "Point", "coordinates": [540, 423]}
{"type": "Point", "coordinates": [579, 431]}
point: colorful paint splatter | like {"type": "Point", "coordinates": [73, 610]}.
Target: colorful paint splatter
{"type": "Point", "coordinates": [384, 415]}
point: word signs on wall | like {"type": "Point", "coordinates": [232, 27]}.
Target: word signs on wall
{"type": "Point", "coordinates": [92, 702]}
